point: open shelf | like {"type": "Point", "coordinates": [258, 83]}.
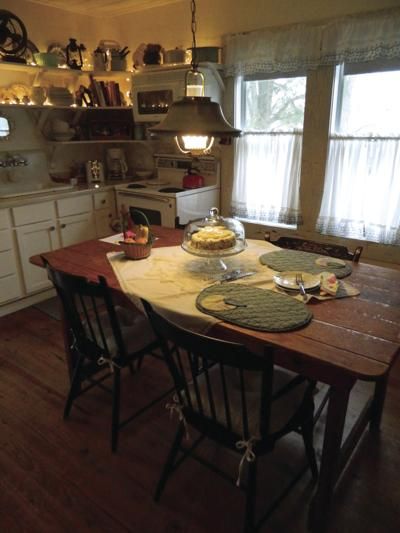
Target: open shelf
{"type": "Point", "coordinates": [91, 141]}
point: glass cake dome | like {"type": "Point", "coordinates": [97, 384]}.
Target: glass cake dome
{"type": "Point", "coordinates": [214, 236]}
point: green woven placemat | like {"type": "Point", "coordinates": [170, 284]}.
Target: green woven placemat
{"type": "Point", "coordinates": [283, 260]}
{"type": "Point", "coordinates": [253, 308]}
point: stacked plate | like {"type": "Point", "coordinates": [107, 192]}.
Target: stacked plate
{"type": "Point", "coordinates": [287, 280]}
{"type": "Point", "coordinates": [60, 96]}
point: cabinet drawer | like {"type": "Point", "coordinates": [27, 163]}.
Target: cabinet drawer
{"type": "Point", "coordinates": [5, 240]}
{"type": "Point", "coordinates": [7, 263]}
{"type": "Point", "coordinates": [4, 220]}
{"type": "Point", "coordinates": [74, 206]}
{"type": "Point", "coordinates": [27, 214]}
{"type": "Point", "coordinates": [102, 200]}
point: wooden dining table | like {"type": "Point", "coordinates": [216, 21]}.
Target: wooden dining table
{"type": "Point", "coordinates": [348, 339]}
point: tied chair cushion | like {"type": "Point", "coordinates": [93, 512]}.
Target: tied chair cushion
{"type": "Point", "coordinates": [282, 409]}
{"type": "Point", "coordinates": [136, 331]}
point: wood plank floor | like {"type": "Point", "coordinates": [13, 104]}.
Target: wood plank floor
{"type": "Point", "coordinates": [58, 476]}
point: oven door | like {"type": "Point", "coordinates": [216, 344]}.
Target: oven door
{"type": "Point", "coordinates": [160, 210]}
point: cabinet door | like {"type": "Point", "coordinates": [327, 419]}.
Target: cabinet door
{"type": "Point", "coordinates": [76, 229]}
{"type": "Point", "coordinates": [104, 218]}
{"type": "Point", "coordinates": [10, 286]}
{"type": "Point", "coordinates": [32, 240]}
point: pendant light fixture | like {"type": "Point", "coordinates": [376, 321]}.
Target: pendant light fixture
{"type": "Point", "coordinates": [195, 120]}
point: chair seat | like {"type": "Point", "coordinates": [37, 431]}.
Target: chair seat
{"type": "Point", "coordinates": [282, 409]}
{"type": "Point", "coordinates": [136, 331]}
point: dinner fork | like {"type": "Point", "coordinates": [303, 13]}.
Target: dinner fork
{"type": "Point", "coordinates": [300, 283]}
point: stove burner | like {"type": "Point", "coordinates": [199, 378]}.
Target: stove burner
{"type": "Point", "coordinates": [136, 186]}
{"type": "Point", "coordinates": [171, 189]}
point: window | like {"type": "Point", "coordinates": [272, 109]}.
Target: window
{"type": "Point", "coordinates": [270, 112]}
{"type": "Point", "coordinates": [361, 196]}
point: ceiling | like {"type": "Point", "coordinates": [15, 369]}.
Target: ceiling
{"type": "Point", "coordinates": [101, 8]}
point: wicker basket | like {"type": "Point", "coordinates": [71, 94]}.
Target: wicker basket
{"type": "Point", "coordinates": [134, 250]}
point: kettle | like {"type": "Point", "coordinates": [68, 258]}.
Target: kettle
{"type": "Point", "coordinates": [192, 180]}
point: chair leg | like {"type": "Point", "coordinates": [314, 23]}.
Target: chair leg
{"type": "Point", "coordinates": [115, 409]}
{"type": "Point", "coordinates": [75, 387]}
{"type": "Point", "coordinates": [250, 497]}
{"type": "Point", "coordinates": [307, 432]}
{"type": "Point", "coordinates": [167, 469]}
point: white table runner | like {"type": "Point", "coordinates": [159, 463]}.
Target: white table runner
{"type": "Point", "coordinates": [170, 280]}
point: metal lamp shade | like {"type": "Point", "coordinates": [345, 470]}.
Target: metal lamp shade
{"type": "Point", "coordinates": [195, 116]}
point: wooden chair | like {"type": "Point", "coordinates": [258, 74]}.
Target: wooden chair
{"type": "Point", "coordinates": [236, 399]}
{"type": "Point", "coordinates": [104, 338]}
{"type": "Point", "coordinates": [333, 250]}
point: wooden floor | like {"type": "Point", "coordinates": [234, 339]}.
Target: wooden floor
{"type": "Point", "coordinates": [58, 476]}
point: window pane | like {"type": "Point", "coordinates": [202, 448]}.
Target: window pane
{"type": "Point", "coordinates": [268, 155]}
{"type": "Point", "coordinates": [361, 197]}
{"type": "Point", "coordinates": [274, 105]}
{"type": "Point", "coordinates": [371, 104]}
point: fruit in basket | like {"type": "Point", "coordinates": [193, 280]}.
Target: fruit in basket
{"type": "Point", "coordinates": [129, 240]}
{"type": "Point", "coordinates": [142, 234]}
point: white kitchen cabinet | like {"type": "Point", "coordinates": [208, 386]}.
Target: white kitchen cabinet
{"type": "Point", "coordinates": [34, 239]}
{"type": "Point", "coordinates": [10, 283]}
{"type": "Point", "coordinates": [103, 219]}
{"type": "Point", "coordinates": [74, 205]}
{"type": "Point", "coordinates": [76, 228]}
{"type": "Point", "coordinates": [75, 219]}
{"type": "Point", "coordinates": [104, 211]}
{"type": "Point", "coordinates": [40, 226]}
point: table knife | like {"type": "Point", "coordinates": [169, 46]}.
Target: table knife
{"type": "Point", "coordinates": [236, 275]}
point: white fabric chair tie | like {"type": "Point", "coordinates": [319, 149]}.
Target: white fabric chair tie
{"type": "Point", "coordinates": [248, 455]}
{"type": "Point", "coordinates": [177, 407]}
{"type": "Point", "coordinates": [108, 361]}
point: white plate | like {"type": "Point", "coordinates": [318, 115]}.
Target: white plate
{"type": "Point", "coordinates": [287, 280]}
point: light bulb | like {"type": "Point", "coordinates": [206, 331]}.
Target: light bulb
{"type": "Point", "coordinates": [194, 144]}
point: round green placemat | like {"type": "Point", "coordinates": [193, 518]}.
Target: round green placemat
{"type": "Point", "coordinates": [253, 308]}
{"type": "Point", "coordinates": [283, 260]}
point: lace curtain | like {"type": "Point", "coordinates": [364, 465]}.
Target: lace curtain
{"type": "Point", "coordinates": [356, 203]}
{"type": "Point", "coordinates": [300, 47]}
{"type": "Point", "coordinates": [267, 170]}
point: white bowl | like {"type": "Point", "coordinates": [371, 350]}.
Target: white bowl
{"type": "Point", "coordinates": [63, 136]}
{"type": "Point", "coordinates": [144, 174]}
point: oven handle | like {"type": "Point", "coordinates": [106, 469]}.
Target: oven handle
{"type": "Point", "coordinates": [148, 196]}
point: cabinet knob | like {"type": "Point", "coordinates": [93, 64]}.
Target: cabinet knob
{"type": "Point", "coordinates": [109, 215]}
{"type": "Point", "coordinates": [63, 226]}
{"type": "Point", "coordinates": [103, 201]}
{"type": "Point", "coordinates": [52, 228]}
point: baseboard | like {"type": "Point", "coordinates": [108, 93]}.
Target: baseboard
{"type": "Point", "coordinates": [12, 307]}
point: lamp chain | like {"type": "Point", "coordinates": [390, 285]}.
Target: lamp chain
{"type": "Point", "coordinates": [194, 28]}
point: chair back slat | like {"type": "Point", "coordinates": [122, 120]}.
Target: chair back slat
{"type": "Point", "coordinates": [228, 416]}
{"type": "Point", "coordinates": [322, 248]}
{"type": "Point", "coordinates": [90, 315]}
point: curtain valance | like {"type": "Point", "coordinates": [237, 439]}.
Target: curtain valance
{"type": "Point", "coordinates": [299, 47]}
